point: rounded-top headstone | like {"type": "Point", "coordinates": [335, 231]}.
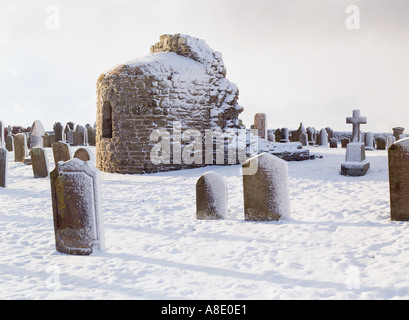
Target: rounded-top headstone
{"type": "Point", "coordinates": [36, 134]}
{"type": "Point", "coordinates": [211, 197]}
{"type": "Point", "coordinates": [39, 162]}
{"type": "Point", "coordinates": [266, 188]}
{"type": "Point", "coordinates": [84, 154]}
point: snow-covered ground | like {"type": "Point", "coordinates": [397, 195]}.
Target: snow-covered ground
{"type": "Point", "coordinates": [339, 242]}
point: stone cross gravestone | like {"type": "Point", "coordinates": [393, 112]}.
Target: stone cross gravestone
{"type": "Point", "coordinates": [260, 120]}
{"type": "Point", "coordinates": [20, 147]}
{"type": "Point", "coordinates": [76, 208]}
{"type": "Point", "coordinates": [61, 151]}
{"type": "Point", "coordinates": [398, 162]}
{"type": "Point", "coordinates": [3, 167]}
{"type": "Point", "coordinates": [211, 197]}
{"type": "Point", "coordinates": [355, 160]}
{"type": "Point", "coordinates": [39, 162]}
{"type": "Point", "coordinates": [266, 191]}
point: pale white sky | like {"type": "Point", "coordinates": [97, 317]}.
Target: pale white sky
{"type": "Point", "coordinates": [295, 60]}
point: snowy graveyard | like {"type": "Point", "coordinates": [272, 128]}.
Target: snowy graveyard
{"type": "Point", "coordinates": [338, 241]}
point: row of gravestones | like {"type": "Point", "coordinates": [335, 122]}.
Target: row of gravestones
{"type": "Point", "coordinates": [20, 143]}
{"type": "Point", "coordinates": [77, 210]}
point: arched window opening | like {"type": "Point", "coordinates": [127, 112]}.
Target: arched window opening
{"type": "Point", "coordinates": [107, 120]}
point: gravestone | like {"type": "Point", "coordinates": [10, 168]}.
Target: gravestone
{"type": "Point", "coordinates": [333, 143]}
{"type": "Point", "coordinates": [369, 141]}
{"type": "Point", "coordinates": [323, 138]}
{"type": "Point", "coordinates": [10, 143]}
{"type": "Point", "coordinates": [390, 140]}
{"type": "Point", "coordinates": [260, 120]}
{"type": "Point", "coordinates": [91, 135]}
{"type": "Point", "coordinates": [330, 133]}
{"type": "Point", "coordinates": [20, 147]}
{"type": "Point", "coordinates": [2, 135]}
{"type": "Point", "coordinates": [36, 134]}
{"type": "Point", "coordinates": [69, 135]}
{"type": "Point", "coordinates": [397, 132]}
{"type": "Point", "coordinates": [312, 135]}
{"type": "Point", "coordinates": [381, 143]}
{"type": "Point", "coordinates": [76, 208]}
{"type": "Point", "coordinates": [83, 154]}
{"type": "Point", "coordinates": [344, 142]}
{"type": "Point", "coordinates": [303, 137]}
{"type": "Point", "coordinates": [61, 151]}
{"type": "Point", "coordinates": [39, 162]}
{"type": "Point", "coordinates": [355, 160]}
{"type": "Point", "coordinates": [3, 167]}
{"type": "Point", "coordinates": [271, 136]}
{"type": "Point", "coordinates": [58, 131]}
{"type": "Point", "coordinates": [211, 197]}
{"type": "Point", "coordinates": [284, 135]}
{"type": "Point", "coordinates": [266, 191]}
{"type": "Point", "coordinates": [80, 136]}
{"type": "Point", "coordinates": [398, 162]}
{"type": "Point", "coordinates": [277, 134]}
{"type": "Point", "coordinates": [301, 129]}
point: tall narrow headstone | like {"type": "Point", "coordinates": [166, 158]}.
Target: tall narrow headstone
{"type": "Point", "coordinates": [211, 197]}
{"type": "Point", "coordinates": [10, 143]}
{"type": "Point", "coordinates": [323, 138]}
{"type": "Point", "coordinates": [284, 135]}
{"type": "Point", "coordinates": [369, 141]}
{"type": "Point", "coordinates": [2, 135]}
{"type": "Point", "coordinates": [260, 120]}
{"type": "Point", "coordinates": [58, 131]}
{"type": "Point", "coordinates": [398, 162]}
{"type": "Point", "coordinates": [312, 135]}
{"type": "Point", "coordinates": [20, 147]}
{"type": "Point", "coordinates": [36, 134]}
{"type": "Point", "coordinates": [76, 208]}
{"type": "Point", "coordinates": [381, 143]}
{"type": "Point", "coordinates": [3, 167]}
{"type": "Point", "coordinates": [266, 191]}
{"type": "Point", "coordinates": [61, 151]}
{"type": "Point", "coordinates": [39, 162]}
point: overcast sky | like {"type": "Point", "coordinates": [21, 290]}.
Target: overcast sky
{"type": "Point", "coordinates": [295, 60]}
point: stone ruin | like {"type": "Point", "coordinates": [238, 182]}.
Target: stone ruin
{"type": "Point", "coordinates": [182, 80]}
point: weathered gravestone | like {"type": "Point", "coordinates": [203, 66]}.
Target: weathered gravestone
{"type": "Point", "coordinates": [91, 135]}
{"type": "Point", "coordinates": [211, 197]}
{"type": "Point", "coordinates": [20, 147]}
{"type": "Point", "coordinates": [80, 136]}
{"type": "Point", "coordinates": [69, 135]}
{"type": "Point", "coordinates": [398, 161]}
{"type": "Point", "coordinates": [323, 138]}
{"type": "Point", "coordinates": [369, 141]}
{"type": "Point", "coordinates": [76, 208]}
{"type": "Point", "coordinates": [390, 140]}
{"type": "Point", "coordinates": [39, 162]}
{"type": "Point", "coordinates": [61, 151]}
{"type": "Point", "coordinates": [303, 137]}
{"type": "Point", "coordinates": [3, 167]}
{"type": "Point", "coordinates": [397, 132]}
{"type": "Point", "coordinates": [10, 143]}
{"type": "Point", "coordinates": [312, 135]}
{"type": "Point", "coordinates": [83, 154]}
{"type": "Point", "coordinates": [344, 142]}
{"type": "Point", "coordinates": [2, 135]}
{"type": "Point", "coordinates": [284, 135]}
{"type": "Point", "coordinates": [260, 124]}
{"type": "Point", "coordinates": [355, 160]}
{"type": "Point", "coordinates": [381, 143]}
{"type": "Point", "coordinates": [36, 134]}
{"type": "Point", "coordinates": [266, 191]}
{"type": "Point", "coordinates": [58, 131]}
{"type": "Point", "coordinates": [271, 136]}
{"type": "Point", "coordinates": [333, 143]}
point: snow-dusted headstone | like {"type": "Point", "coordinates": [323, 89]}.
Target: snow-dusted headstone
{"type": "Point", "coordinates": [333, 143]}
{"type": "Point", "coordinates": [260, 120]}
{"type": "Point", "coordinates": [61, 151]}
{"type": "Point", "coordinates": [390, 140]}
{"type": "Point", "coordinates": [344, 142]}
{"type": "Point", "coordinates": [323, 138]}
{"type": "Point", "coordinates": [3, 167]}
{"type": "Point", "coordinates": [303, 137]}
{"type": "Point", "coordinates": [211, 197]}
{"type": "Point", "coordinates": [76, 208]}
{"type": "Point", "coordinates": [369, 141]}
{"type": "Point", "coordinates": [20, 147]}
{"type": "Point", "coordinates": [266, 192]}
{"type": "Point", "coordinates": [39, 162]}
{"type": "Point", "coordinates": [397, 132]}
{"type": "Point", "coordinates": [36, 134]}
{"type": "Point", "coordinates": [312, 135]}
{"type": "Point", "coordinates": [355, 160]}
{"type": "Point", "coordinates": [398, 160]}
{"type": "Point", "coordinates": [80, 136]}
{"type": "Point", "coordinates": [271, 136]}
